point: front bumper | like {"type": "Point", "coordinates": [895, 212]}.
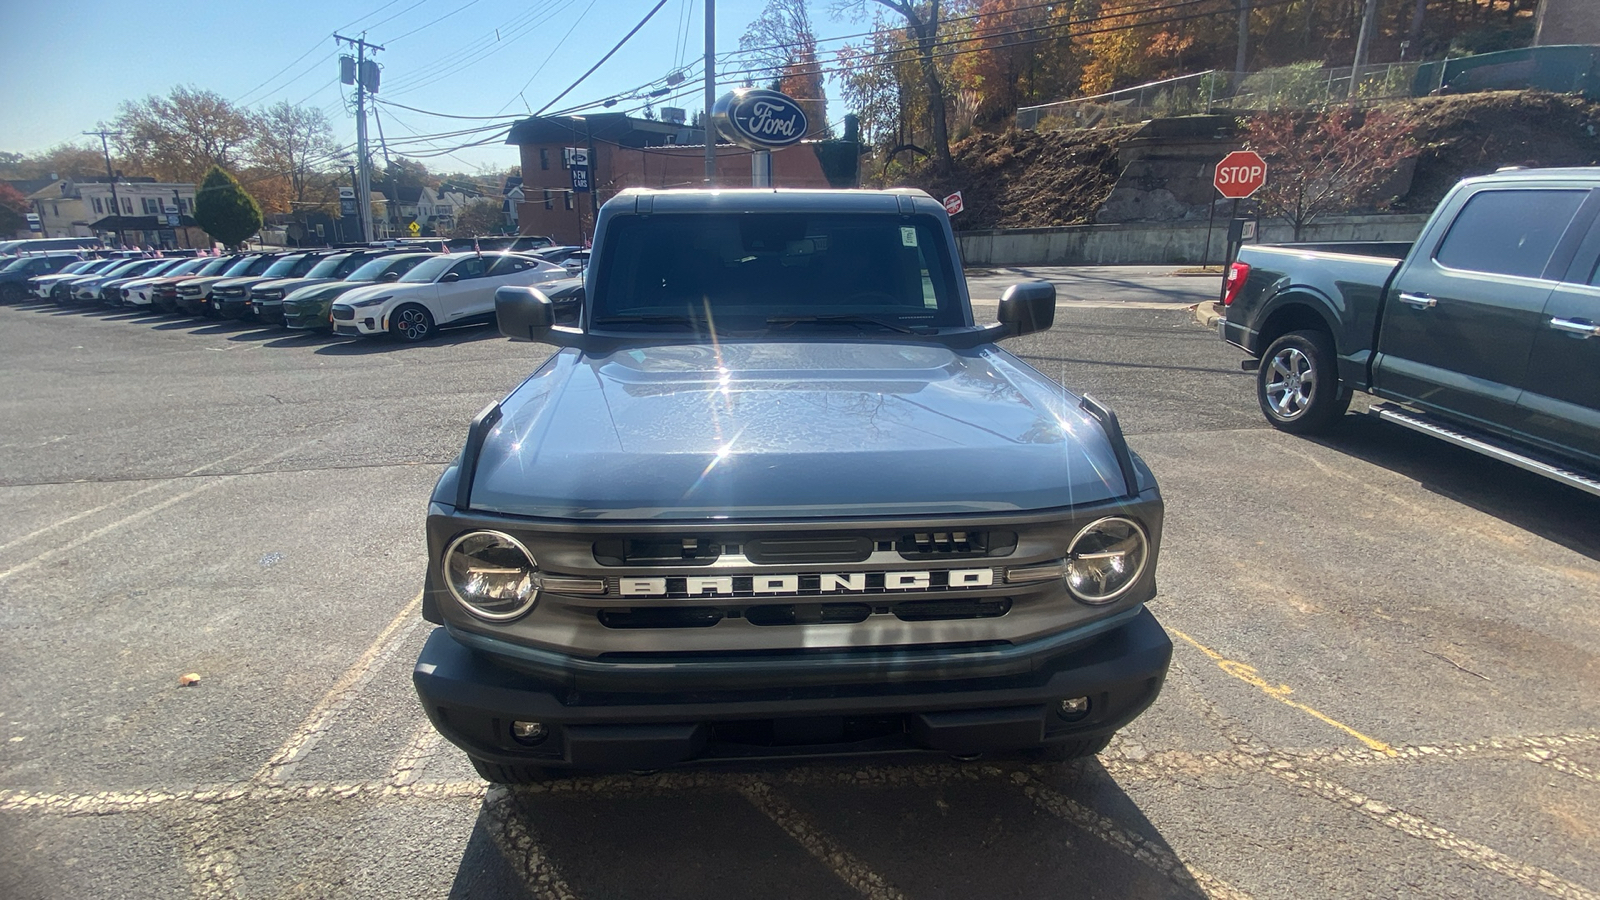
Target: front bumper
{"type": "Point", "coordinates": [232, 307]}
{"type": "Point", "coordinates": [194, 306]}
{"type": "Point", "coordinates": [267, 310]}
{"type": "Point", "coordinates": [316, 320]}
{"type": "Point", "coordinates": [594, 723]}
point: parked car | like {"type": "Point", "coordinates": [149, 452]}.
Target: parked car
{"type": "Point", "coordinates": [87, 290]}
{"type": "Point", "coordinates": [38, 245]}
{"type": "Point", "coordinates": [266, 297]}
{"type": "Point", "coordinates": [1484, 333]}
{"type": "Point", "coordinates": [230, 297]}
{"type": "Point", "coordinates": [111, 290]}
{"type": "Point", "coordinates": [194, 295]}
{"type": "Point", "coordinates": [452, 289]}
{"type": "Point", "coordinates": [44, 286]}
{"type": "Point", "coordinates": [164, 291]}
{"type": "Point", "coordinates": [310, 308]}
{"type": "Point", "coordinates": [558, 254]}
{"type": "Point", "coordinates": [140, 292]}
{"type": "Point", "coordinates": [14, 274]}
{"type": "Point", "coordinates": [515, 243]}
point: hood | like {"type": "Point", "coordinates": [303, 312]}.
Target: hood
{"type": "Point", "coordinates": [287, 284]}
{"type": "Point", "coordinates": [325, 291]}
{"type": "Point", "coordinates": [381, 289]}
{"type": "Point", "coordinates": [792, 430]}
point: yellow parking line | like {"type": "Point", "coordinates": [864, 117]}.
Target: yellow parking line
{"type": "Point", "coordinates": [1247, 674]}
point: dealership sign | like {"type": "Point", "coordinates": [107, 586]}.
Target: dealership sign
{"type": "Point", "coordinates": [759, 119]}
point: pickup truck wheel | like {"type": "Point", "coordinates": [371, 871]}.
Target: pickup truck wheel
{"type": "Point", "coordinates": [411, 323]}
{"type": "Point", "coordinates": [1297, 383]}
{"type": "Point", "coordinates": [495, 773]}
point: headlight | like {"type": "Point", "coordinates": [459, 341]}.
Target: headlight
{"type": "Point", "coordinates": [1105, 559]}
{"type": "Point", "coordinates": [492, 574]}
{"type": "Point", "coordinates": [372, 302]}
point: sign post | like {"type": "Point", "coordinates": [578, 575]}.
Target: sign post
{"type": "Point", "coordinates": [763, 121]}
{"type": "Point", "coordinates": [1239, 175]}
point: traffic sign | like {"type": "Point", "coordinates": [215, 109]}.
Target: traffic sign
{"type": "Point", "coordinates": [1240, 174]}
{"type": "Point", "coordinates": [953, 204]}
{"type": "Point", "coordinates": [414, 228]}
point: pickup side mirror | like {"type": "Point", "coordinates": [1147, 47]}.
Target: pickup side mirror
{"type": "Point", "coordinates": [524, 313]}
{"type": "Point", "coordinates": [450, 276]}
{"type": "Point", "coordinates": [1028, 307]}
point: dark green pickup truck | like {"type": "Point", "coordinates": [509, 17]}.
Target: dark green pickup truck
{"type": "Point", "coordinates": [1484, 333]}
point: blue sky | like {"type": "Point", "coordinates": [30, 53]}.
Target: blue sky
{"type": "Point", "coordinates": [68, 66]}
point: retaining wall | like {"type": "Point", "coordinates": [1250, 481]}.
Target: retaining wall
{"type": "Point", "coordinates": [1160, 243]}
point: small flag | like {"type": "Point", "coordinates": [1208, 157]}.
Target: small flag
{"type": "Point", "coordinates": [476, 248]}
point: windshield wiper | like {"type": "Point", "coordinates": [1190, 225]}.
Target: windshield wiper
{"type": "Point", "coordinates": [647, 320]}
{"type": "Point", "coordinates": [844, 319]}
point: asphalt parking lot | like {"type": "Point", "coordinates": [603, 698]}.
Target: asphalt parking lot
{"type": "Point", "coordinates": [1385, 682]}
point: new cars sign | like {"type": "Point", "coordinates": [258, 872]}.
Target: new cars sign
{"type": "Point", "coordinates": [759, 119]}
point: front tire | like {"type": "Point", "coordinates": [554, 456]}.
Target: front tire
{"type": "Point", "coordinates": [412, 323]}
{"type": "Point", "coordinates": [1297, 383]}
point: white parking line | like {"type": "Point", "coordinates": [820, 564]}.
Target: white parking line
{"type": "Point", "coordinates": [282, 763]}
{"type": "Point", "coordinates": [829, 852]}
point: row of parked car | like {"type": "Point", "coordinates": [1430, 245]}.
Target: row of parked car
{"type": "Point", "coordinates": [399, 290]}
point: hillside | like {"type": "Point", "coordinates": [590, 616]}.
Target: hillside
{"type": "Point", "coordinates": [1031, 179]}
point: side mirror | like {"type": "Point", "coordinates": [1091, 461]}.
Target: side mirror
{"type": "Point", "coordinates": [524, 313]}
{"type": "Point", "coordinates": [1028, 307]}
{"type": "Point", "coordinates": [450, 276]}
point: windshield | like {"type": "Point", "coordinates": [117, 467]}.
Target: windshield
{"type": "Point", "coordinates": [743, 270]}
{"type": "Point", "coordinates": [187, 266]}
{"type": "Point", "coordinates": [122, 268]}
{"type": "Point", "coordinates": [429, 271]}
{"type": "Point", "coordinates": [77, 267]}
{"type": "Point", "coordinates": [17, 265]}
{"type": "Point", "coordinates": [217, 266]}
{"type": "Point", "coordinates": [284, 266]}
{"type": "Point", "coordinates": [241, 266]}
{"type": "Point", "coordinates": [327, 266]}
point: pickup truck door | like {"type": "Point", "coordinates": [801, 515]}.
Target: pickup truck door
{"type": "Point", "coordinates": [1460, 318]}
{"type": "Point", "coordinates": [1562, 397]}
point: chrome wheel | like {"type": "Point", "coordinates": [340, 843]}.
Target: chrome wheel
{"type": "Point", "coordinates": [1290, 383]}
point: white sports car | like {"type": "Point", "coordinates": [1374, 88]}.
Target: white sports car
{"type": "Point", "coordinates": [451, 289]}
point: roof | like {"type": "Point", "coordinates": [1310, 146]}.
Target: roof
{"type": "Point", "coordinates": [1577, 173]}
{"type": "Point", "coordinates": [607, 128]}
{"type": "Point", "coordinates": [772, 200]}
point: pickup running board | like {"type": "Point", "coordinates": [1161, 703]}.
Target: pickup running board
{"type": "Point", "coordinates": [1487, 445]}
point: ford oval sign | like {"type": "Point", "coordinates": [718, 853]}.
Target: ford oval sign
{"type": "Point", "coordinates": [759, 119]}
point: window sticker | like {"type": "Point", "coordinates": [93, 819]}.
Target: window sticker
{"type": "Point", "coordinates": [908, 236]}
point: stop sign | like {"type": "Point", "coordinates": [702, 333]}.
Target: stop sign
{"type": "Point", "coordinates": [1240, 174]}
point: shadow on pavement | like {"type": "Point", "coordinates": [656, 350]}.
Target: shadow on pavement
{"type": "Point", "coordinates": [447, 337]}
{"type": "Point", "coordinates": [1061, 831]}
{"type": "Point", "coordinates": [1555, 512]}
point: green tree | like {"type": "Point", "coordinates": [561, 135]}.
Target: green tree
{"type": "Point", "coordinates": [224, 209]}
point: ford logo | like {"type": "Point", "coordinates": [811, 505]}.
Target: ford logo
{"type": "Point", "coordinates": [759, 119]}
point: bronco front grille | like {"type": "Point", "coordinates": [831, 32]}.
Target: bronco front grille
{"type": "Point", "coordinates": [779, 614]}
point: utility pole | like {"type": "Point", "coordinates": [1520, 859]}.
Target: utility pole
{"type": "Point", "coordinates": [1242, 55]}
{"type": "Point", "coordinates": [363, 163]}
{"type": "Point", "coordinates": [110, 176]}
{"type": "Point", "coordinates": [711, 92]}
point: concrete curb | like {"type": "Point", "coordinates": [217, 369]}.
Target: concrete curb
{"type": "Point", "coordinates": [1207, 314]}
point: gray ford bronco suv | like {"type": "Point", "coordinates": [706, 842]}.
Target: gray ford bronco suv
{"type": "Point", "coordinates": [777, 495]}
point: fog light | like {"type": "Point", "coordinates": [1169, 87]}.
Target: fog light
{"type": "Point", "coordinates": [534, 732]}
{"type": "Point", "coordinates": [1072, 709]}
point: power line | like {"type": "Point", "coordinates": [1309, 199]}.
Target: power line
{"type": "Point", "coordinates": [447, 15]}
{"type": "Point", "coordinates": [635, 30]}
{"type": "Point", "coordinates": [551, 55]}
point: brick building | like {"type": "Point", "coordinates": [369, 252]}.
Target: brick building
{"type": "Point", "coordinates": [629, 152]}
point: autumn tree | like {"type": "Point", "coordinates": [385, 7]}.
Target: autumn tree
{"type": "Point", "coordinates": [1329, 162]}
{"type": "Point", "coordinates": [13, 209]}
{"type": "Point", "coordinates": [874, 83]}
{"type": "Point", "coordinates": [923, 20]}
{"type": "Point", "coordinates": [224, 209]}
{"type": "Point", "coordinates": [179, 137]}
{"type": "Point", "coordinates": [481, 216]}
{"type": "Point", "coordinates": [782, 46]}
{"type": "Point", "coordinates": [62, 161]}
{"type": "Point", "coordinates": [294, 145]}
